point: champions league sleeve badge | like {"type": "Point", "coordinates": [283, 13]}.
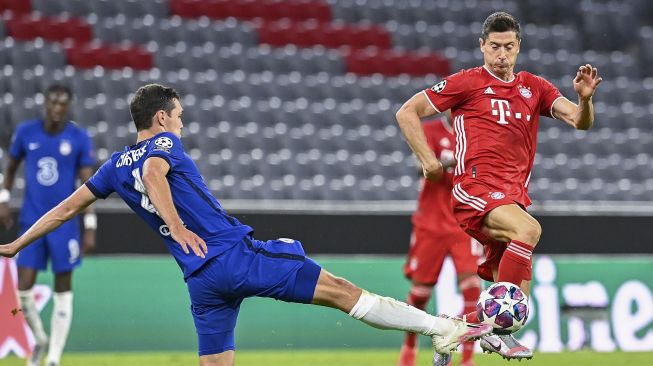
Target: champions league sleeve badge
{"type": "Point", "coordinates": [439, 86]}
{"type": "Point", "coordinates": [163, 144]}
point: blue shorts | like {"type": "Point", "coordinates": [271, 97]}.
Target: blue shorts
{"type": "Point", "coordinates": [62, 246]}
{"type": "Point", "coordinates": [278, 269]}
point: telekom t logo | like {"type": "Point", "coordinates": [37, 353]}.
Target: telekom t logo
{"type": "Point", "coordinates": [502, 112]}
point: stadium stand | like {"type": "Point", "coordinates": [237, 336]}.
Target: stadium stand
{"type": "Point", "coordinates": [295, 99]}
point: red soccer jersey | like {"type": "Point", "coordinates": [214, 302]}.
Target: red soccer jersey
{"type": "Point", "coordinates": [434, 210]}
{"type": "Point", "coordinates": [495, 123]}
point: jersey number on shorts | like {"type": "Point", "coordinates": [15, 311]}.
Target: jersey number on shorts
{"type": "Point", "coordinates": [48, 173]}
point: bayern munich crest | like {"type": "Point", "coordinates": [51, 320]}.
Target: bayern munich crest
{"type": "Point", "coordinates": [497, 195]}
{"type": "Point", "coordinates": [525, 92]}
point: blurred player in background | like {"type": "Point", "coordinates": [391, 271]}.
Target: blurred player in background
{"type": "Point", "coordinates": [435, 235]}
{"type": "Point", "coordinates": [496, 113]}
{"type": "Point", "coordinates": [56, 152]}
{"type": "Point", "coordinates": [161, 183]}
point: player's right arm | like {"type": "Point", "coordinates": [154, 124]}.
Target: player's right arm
{"type": "Point", "coordinates": [155, 170]}
{"type": "Point", "coordinates": [10, 174]}
{"type": "Point", "coordinates": [64, 211]}
{"type": "Point", "coordinates": [15, 154]}
{"type": "Point", "coordinates": [409, 118]}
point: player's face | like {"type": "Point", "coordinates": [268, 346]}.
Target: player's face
{"type": "Point", "coordinates": [56, 107]}
{"type": "Point", "coordinates": [500, 51]}
{"type": "Point", "coordinates": [172, 122]}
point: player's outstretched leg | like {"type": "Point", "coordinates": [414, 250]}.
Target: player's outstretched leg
{"type": "Point", "coordinates": [418, 297]}
{"type": "Point", "coordinates": [387, 313]}
{"type": "Point", "coordinates": [514, 226]}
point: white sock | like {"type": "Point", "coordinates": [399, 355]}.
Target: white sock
{"type": "Point", "coordinates": [388, 313]}
{"type": "Point", "coordinates": [32, 316]}
{"type": "Point", "coordinates": [62, 316]}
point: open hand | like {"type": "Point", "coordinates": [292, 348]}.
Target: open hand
{"type": "Point", "coordinates": [188, 239]}
{"type": "Point", "coordinates": [586, 81]}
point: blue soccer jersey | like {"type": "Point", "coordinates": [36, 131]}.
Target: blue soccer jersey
{"type": "Point", "coordinates": [198, 209]}
{"type": "Point", "coordinates": [51, 164]}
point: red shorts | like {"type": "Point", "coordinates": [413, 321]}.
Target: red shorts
{"type": "Point", "coordinates": [428, 251]}
{"type": "Point", "coordinates": [471, 202]}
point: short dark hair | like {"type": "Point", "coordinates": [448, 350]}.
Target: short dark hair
{"type": "Point", "coordinates": [148, 100]}
{"type": "Point", "coordinates": [500, 22]}
{"type": "Point", "coordinates": [58, 88]}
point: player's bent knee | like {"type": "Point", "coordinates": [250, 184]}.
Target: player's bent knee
{"type": "Point", "coordinates": [531, 233]}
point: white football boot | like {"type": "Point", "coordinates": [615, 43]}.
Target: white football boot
{"type": "Point", "coordinates": [38, 353]}
{"type": "Point", "coordinates": [440, 359]}
{"type": "Point", "coordinates": [460, 332]}
{"type": "Point", "coordinates": [506, 346]}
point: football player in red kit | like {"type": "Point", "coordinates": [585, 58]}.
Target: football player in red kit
{"type": "Point", "coordinates": [496, 112]}
{"type": "Point", "coordinates": [436, 235]}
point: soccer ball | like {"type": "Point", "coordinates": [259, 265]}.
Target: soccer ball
{"type": "Point", "coordinates": [503, 306]}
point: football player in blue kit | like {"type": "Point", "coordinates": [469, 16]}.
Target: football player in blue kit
{"type": "Point", "coordinates": [161, 183]}
{"type": "Point", "coordinates": [56, 152]}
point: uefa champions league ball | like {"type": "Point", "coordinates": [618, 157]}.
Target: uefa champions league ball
{"type": "Point", "coordinates": [503, 306]}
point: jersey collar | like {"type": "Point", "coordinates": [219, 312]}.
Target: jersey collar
{"type": "Point", "coordinates": [496, 77]}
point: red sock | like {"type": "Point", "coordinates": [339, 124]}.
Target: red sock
{"type": "Point", "coordinates": [417, 297]}
{"type": "Point", "coordinates": [515, 265]}
{"type": "Point", "coordinates": [472, 317]}
{"type": "Point", "coordinates": [471, 289]}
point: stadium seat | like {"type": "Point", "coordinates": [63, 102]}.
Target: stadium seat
{"type": "Point", "coordinates": [16, 6]}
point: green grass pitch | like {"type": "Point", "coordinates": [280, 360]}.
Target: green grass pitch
{"type": "Point", "coordinates": [340, 358]}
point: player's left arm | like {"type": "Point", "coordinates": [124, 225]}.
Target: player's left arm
{"type": "Point", "coordinates": [581, 115]}
{"type": "Point", "coordinates": [90, 218]}
{"type": "Point", "coordinates": [64, 211]}
{"type": "Point", "coordinates": [155, 170]}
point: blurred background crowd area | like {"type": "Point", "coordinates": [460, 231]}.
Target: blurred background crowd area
{"type": "Point", "coordinates": [295, 99]}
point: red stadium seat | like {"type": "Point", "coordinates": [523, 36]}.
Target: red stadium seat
{"type": "Point", "coordinates": [82, 56]}
{"type": "Point", "coordinates": [139, 59]}
{"type": "Point", "coordinates": [78, 30]}
{"type": "Point", "coordinates": [189, 8]}
{"type": "Point", "coordinates": [366, 36]}
{"type": "Point", "coordinates": [389, 62]}
{"type": "Point", "coordinates": [317, 10]}
{"type": "Point", "coordinates": [21, 28]}
{"type": "Point", "coordinates": [86, 56]}
{"type": "Point", "coordinates": [52, 29]}
{"type": "Point", "coordinates": [292, 9]}
{"type": "Point", "coordinates": [274, 33]}
{"type": "Point", "coordinates": [113, 57]}
{"type": "Point", "coordinates": [312, 32]}
{"type": "Point", "coordinates": [252, 9]}
{"type": "Point", "coordinates": [16, 6]}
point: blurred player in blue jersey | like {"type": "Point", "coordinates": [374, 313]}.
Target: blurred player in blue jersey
{"type": "Point", "coordinates": [161, 183]}
{"type": "Point", "coordinates": [56, 152]}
